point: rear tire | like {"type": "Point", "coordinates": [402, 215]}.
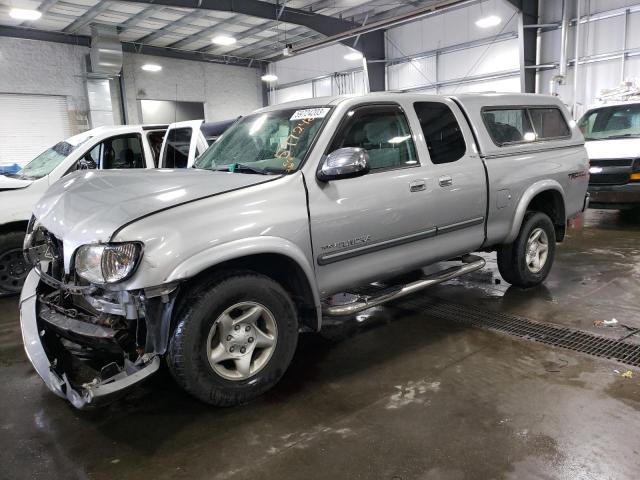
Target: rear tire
{"type": "Point", "coordinates": [527, 261]}
{"type": "Point", "coordinates": [234, 339]}
{"type": "Point", "coordinates": [13, 267]}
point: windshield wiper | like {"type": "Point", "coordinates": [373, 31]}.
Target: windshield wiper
{"type": "Point", "coordinates": [243, 168]}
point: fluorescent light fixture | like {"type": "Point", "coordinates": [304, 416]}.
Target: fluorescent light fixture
{"type": "Point", "coordinates": [269, 77]}
{"type": "Point", "coordinates": [223, 40]}
{"type": "Point", "coordinates": [353, 56]}
{"type": "Point", "coordinates": [24, 14]}
{"type": "Point", "coordinates": [490, 21]}
{"type": "Point", "coordinates": [151, 67]}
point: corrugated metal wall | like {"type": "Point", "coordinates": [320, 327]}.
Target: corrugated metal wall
{"type": "Point", "coordinates": [609, 48]}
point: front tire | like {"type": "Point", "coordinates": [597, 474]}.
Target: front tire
{"type": "Point", "coordinates": [527, 261]}
{"type": "Point", "coordinates": [234, 340]}
{"type": "Point", "coordinates": [13, 267]}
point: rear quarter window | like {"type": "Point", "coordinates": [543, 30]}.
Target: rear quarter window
{"type": "Point", "coordinates": [549, 123]}
{"type": "Point", "coordinates": [512, 125]}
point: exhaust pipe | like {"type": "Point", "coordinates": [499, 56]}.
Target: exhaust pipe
{"type": "Point", "coordinates": [471, 263]}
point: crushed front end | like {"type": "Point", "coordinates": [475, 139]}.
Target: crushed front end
{"type": "Point", "coordinates": [89, 343]}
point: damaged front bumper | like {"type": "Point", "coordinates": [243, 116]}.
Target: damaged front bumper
{"type": "Point", "coordinates": [55, 372]}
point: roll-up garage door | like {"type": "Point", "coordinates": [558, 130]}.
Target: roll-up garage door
{"type": "Point", "coordinates": [29, 124]}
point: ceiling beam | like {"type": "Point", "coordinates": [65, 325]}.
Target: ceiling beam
{"type": "Point", "coordinates": [204, 33]}
{"type": "Point", "coordinates": [257, 8]}
{"type": "Point", "coordinates": [181, 22]}
{"type": "Point", "coordinates": [87, 17]}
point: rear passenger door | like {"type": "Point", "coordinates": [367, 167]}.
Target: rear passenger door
{"type": "Point", "coordinates": [456, 175]}
{"type": "Point", "coordinates": [177, 147]}
{"type": "Point", "coordinates": [123, 151]}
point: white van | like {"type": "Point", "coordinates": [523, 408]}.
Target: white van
{"type": "Point", "coordinates": [612, 139]}
{"type": "Point", "coordinates": [186, 141]}
{"type": "Point", "coordinates": [129, 146]}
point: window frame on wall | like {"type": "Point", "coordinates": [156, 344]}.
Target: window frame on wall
{"type": "Point", "coordinates": [346, 118]}
{"type": "Point", "coordinates": [526, 109]}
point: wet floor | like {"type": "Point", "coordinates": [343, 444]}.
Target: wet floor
{"type": "Point", "coordinates": [397, 395]}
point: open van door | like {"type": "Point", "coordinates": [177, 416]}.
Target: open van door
{"type": "Point", "coordinates": [182, 143]}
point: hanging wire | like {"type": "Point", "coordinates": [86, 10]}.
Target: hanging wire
{"type": "Point", "coordinates": [424, 75]}
{"type": "Point", "coordinates": [486, 50]}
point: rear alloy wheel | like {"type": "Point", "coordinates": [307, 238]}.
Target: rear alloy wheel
{"type": "Point", "coordinates": [234, 339]}
{"type": "Point", "coordinates": [13, 267]}
{"type": "Point", "coordinates": [527, 261]}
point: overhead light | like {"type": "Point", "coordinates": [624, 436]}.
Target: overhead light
{"type": "Point", "coordinates": [23, 14]}
{"type": "Point", "coordinates": [353, 56]}
{"type": "Point", "coordinates": [223, 40]}
{"type": "Point", "coordinates": [151, 67]}
{"type": "Point", "coordinates": [487, 22]}
{"type": "Point", "coordinates": [269, 77]}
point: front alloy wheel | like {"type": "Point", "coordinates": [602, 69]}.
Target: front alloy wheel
{"type": "Point", "coordinates": [234, 339]}
{"type": "Point", "coordinates": [242, 340]}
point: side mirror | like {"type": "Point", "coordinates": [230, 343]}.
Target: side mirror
{"type": "Point", "coordinates": [344, 163]}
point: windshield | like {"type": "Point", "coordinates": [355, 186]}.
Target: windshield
{"type": "Point", "coordinates": [618, 121]}
{"type": "Point", "coordinates": [273, 142]}
{"type": "Point", "coordinates": [44, 163]}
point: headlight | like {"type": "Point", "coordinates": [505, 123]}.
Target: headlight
{"type": "Point", "coordinates": [107, 263]}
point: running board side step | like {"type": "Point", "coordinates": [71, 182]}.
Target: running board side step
{"type": "Point", "coordinates": [471, 263]}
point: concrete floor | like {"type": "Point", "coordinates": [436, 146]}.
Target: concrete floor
{"type": "Point", "coordinates": [399, 396]}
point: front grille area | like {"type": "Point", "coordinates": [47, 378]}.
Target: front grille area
{"type": "Point", "coordinates": [611, 162]}
{"type": "Point", "coordinates": [615, 171]}
{"type": "Point", "coordinates": [554, 335]}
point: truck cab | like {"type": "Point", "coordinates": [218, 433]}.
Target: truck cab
{"type": "Point", "coordinates": [612, 140]}
{"type": "Point", "coordinates": [102, 148]}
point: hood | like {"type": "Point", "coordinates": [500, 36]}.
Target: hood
{"type": "Point", "coordinates": [87, 207]}
{"type": "Point", "coordinates": [616, 148]}
{"type": "Point", "coordinates": [10, 183]}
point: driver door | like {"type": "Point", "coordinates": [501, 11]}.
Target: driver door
{"type": "Point", "coordinates": [377, 224]}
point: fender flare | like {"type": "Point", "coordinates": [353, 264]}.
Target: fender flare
{"type": "Point", "coordinates": [524, 202]}
{"type": "Point", "coordinates": [236, 249]}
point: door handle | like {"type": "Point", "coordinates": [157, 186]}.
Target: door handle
{"type": "Point", "coordinates": [417, 186]}
{"type": "Point", "coordinates": [445, 181]}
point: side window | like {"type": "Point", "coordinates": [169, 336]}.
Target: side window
{"type": "Point", "coordinates": [508, 125]}
{"type": "Point", "coordinates": [155, 139]}
{"type": "Point", "coordinates": [176, 154]}
{"type": "Point", "coordinates": [549, 123]}
{"type": "Point", "coordinates": [441, 132]}
{"type": "Point", "coordinates": [91, 159]}
{"type": "Point", "coordinates": [122, 152]}
{"type": "Point", "coordinates": [383, 131]}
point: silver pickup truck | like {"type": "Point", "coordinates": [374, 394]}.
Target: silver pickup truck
{"type": "Point", "coordinates": [298, 212]}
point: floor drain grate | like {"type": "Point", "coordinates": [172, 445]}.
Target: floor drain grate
{"type": "Point", "coordinates": [576, 340]}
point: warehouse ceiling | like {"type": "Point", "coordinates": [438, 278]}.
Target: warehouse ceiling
{"type": "Point", "coordinates": [192, 30]}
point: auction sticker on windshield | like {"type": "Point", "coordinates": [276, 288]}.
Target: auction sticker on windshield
{"type": "Point", "coordinates": [310, 113]}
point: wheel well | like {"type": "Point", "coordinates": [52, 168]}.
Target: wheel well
{"type": "Point", "coordinates": [19, 226]}
{"type": "Point", "coordinates": [551, 203]}
{"type": "Point", "coordinates": [280, 268]}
